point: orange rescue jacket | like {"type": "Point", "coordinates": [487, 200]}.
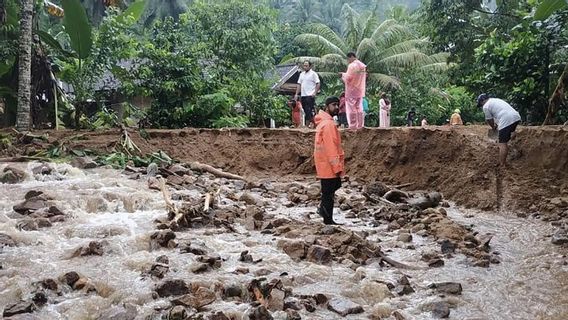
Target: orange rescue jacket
{"type": "Point", "coordinates": [328, 154]}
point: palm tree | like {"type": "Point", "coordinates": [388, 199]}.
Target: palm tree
{"type": "Point", "coordinates": [385, 47]}
{"type": "Point", "coordinates": [159, 9]}
{"type": "Point", "coordinates": [24, 64]}
{"type": "Point", "coordinates": [2, 11]}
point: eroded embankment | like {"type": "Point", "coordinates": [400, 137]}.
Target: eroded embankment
{"type": "Point", "coordinates": [459, 162]}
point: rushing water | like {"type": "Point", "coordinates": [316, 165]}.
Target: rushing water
{"type": "Point", "coordinates": [101, 204]}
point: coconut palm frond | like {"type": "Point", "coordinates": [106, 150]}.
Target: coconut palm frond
{"type": "Point", "coordinates": [352, 29]}
{"type": "Point", "coordinates": [402, 47]}
{"type": "Point", "coordinates": [371, 24]}
{"type": "Point", "coordinates": [439, 57]}
{"type": "Point", "coordinates": [387, 35]}
{"type": "Point", "coordinates": [326, 32]}
{"type": "Point", "coordinates": [333, 62]}
{"type": "Point", "coordinates": [328, 76]}
{"type": "Point", "coordinates": [437, 67]}
{"type": "Point", "coordinates": [384, 81]}
{"type": "Point", "coordinates": [317, 44]}
{"type": "Point", "coordinates": [300, 60]}
{"type": "Point", "coordinates": [366, 51]}
{"type": "Point", "coordinates": [404, 60]}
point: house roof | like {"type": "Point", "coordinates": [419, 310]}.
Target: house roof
{"type": "Point", "coordinates": [288, 74]}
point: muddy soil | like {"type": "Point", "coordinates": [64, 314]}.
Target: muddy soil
{"type": "Point", "coordinates": [459, 162]}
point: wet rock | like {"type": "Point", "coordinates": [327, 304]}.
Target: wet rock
{"type": "Point", "coordinates": [80, 284]}
{"type": "Point", "coordinates": [9, 178]}
{"type": "Point", "coordinates": [12, 175]}
{"type": "Point", "coordinates": [169, 288]}
{"type": "Point", "coordinates": [313, 192]}
{"type": "Point", "coordinates": [292, 303]}
{"type": "Point", "coordinates": [328, 230]}
{"type": "Point", "coordinates": [447, 246]}
{"type": "Point", "coordinates": [276, 300]}
{"type": "Point", "coordinates": [482, 263]}
{"type": "Point", "coordinates": [293, 315]}
{"type": "Point", "coordinates": [94, 248]}
{"type": "Point", "coordinates": [163, 259]}
{"type": "Point", "coordinates": [259, 313]}
{"type": "Point", "coordinates": [152, 170]}
{"type": "Point", "coordinates": [70, 278]}
{"type": "Point", "coordinates": [309, 305]}
{"type": "Point", "coordinates": [436, 263]}
{"type": "Point", "coordinates": [49, 284]}
{"type": "Point", "coordinates": [447, 287]}
{"type": "Point", "coordinates": [198, 251]}
{"type": "Point", "coordinates": [398, 315]}
{"type": "Point", "coordinates": [404, 289]}
{"type": "Point", "coordinates": [42, 169]}
{"type": "Point", "coordinates": [84, 163]}
{"type": "Point", "coordinates": [39, 298]}
{"type": "Point", "coordinates": [440, 310]}
{"type": "Point", "coordinates": [484, 241]}
{"type": "Point", "coordinates": [177, 313]}
{"type": "Point", "coordinates": [127, 312]}
{"type": "Point", "coordinates": [163, 237]}
{"type": "Point", "coordinates": [321, 298]}
{"type": "Point", "coordinates": [246, 257]}
{"type": "Point", "coordinates": [560, 237]}
{"type": "Point", "coordinates": [249, 198]}
{"type": "Point", "coordinates": [405, 237]}
{"type": "Point", "coordinates": [31, 205]}
{"type": "Point", "coordinates": [199, 267]}
{"type": "Point", "coordinates": [159, 270]}
{"type": "Point", "coordinates": [200, 298]}
{"type": "Point", "coordinates": [396, 196]}
{"type": "Point", "coordinates": [296, 249]}
{"type": "Point", "coordinates": [233, 290]}
{"type": "Point", "coordinates": [175, 180]}
{"type": "Point", "coordinates": [6, 241]}
{"type": "Point", "coordinates": [344, 307]}
{"type": "Point", "coordinates": [19, 308]}
{"type": "Point", "coordinates": [219, 315]}
{"type": "Point", "coordinates": [377, 188]}
{"type": "Point", "coordinates": [319, 254]}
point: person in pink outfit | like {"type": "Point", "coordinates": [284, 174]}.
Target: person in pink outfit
{"type": "Point", "coordinates": [355, 82]}
{"type": "Point", "coordinates": [384, 113]}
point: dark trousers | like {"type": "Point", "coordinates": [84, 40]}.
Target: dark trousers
{"type": "Point", "coordinates": [309, 105]}
{"type": "Point", "coordinates": [328, 188]}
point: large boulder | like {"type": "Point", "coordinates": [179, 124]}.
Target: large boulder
{"type": "Point", "coordinates": [175, 287]}
{"type": "Point", "coordinates": [12, 175]}
{"type": "Point", "coordinates": [344, 307]}
{"type": "Point", "coordinates": [19, 308]}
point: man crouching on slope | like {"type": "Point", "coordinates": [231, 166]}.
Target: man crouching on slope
{"type": "Point", "coordinates": [328, 157]}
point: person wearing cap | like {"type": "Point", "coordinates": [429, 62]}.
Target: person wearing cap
{"type": "Point", "coordinates": [456, 119]}
{"type": "Point", "coordinates": [502, 117]}
{"type": "Point", "coordinates": [329, 157]}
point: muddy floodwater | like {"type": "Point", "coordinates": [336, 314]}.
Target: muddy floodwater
{"type": "Point", "coordinates": [529, 279]}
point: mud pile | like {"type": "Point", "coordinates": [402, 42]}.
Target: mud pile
{"type": "Point", "coordinates": [459, 162]}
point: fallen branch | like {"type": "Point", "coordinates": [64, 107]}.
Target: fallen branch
{"type": "Point", "coordinates": [378, 199]}
{"type": "Point", "coordinates": [196, 166]}
{"type": "Point", "coordinates": [404, 185]}
{"type": "Point", "coordinates": [25, 159]}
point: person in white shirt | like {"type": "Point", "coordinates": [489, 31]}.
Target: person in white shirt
{"type": "Point", "coordinates": [502, 117]}
{"type": "Point", "coordinates": [308, 86]}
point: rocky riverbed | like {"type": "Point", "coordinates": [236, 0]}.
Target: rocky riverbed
{"type": "Point", "coordinates": [80, 242]}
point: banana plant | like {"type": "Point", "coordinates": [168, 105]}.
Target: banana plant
{"type": "Point", "coordinates": [547, 7]}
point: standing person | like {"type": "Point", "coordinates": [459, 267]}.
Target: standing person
{"type": "Point", "coordinates": [410, 117]}
{"type": "Point", "coordinates": [500, 116]}
{"type": "Point", "coordinates": [328, 157]}
{"type": "Point", "coordinates": [308, 86]}
{"type": "Point", "coordinates": [384, 112]}
{"type": "Point", "coordinates": [296, 107]}
{"type": "Point", "coordinates": [355, 85]}
{"type": "Point", "coordinates": [342, 116]}
{"type": "Point", "coordinates": [455, 119]}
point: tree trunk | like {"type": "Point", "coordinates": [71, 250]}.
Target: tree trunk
{"type": "Point", "coordinates": [2, 12]}
{"type": "Point", "coordinates": [24, 66]}
{"type": "Point", "coordinates": [557, 97]}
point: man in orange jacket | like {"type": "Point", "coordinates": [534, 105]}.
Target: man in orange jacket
{"type": "Point", "coordinates": [328, 157]}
